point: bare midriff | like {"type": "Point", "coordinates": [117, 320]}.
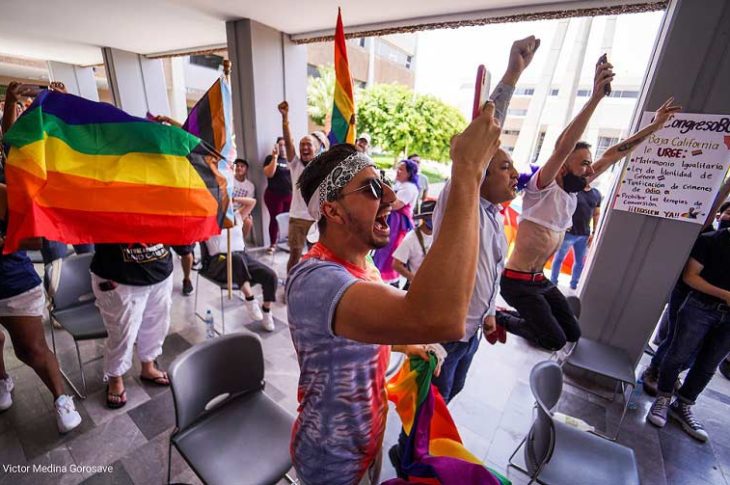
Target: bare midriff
{"type": "Point", "coordinates": [535, 244]}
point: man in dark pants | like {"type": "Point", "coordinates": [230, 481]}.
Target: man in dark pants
{"type": "Point", "coordinates": [499, 186]}
{"type": "Point", "coordinates": [550, 199]}
{"type": "Point", "coordinates": [703, 326]}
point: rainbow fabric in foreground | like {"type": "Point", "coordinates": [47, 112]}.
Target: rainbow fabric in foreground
{"type": "Point", "coordinates": [343, 109]}
{"type": "Point", "coordinates": [79, 171]}
{"type": "Point", "coordinates": [434, 452]}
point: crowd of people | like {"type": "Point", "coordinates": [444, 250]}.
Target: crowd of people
{"type": "Point", "coordinates": [343, 291]}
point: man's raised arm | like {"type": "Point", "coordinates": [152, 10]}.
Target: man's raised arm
{"type": "Point", "coordinates": [573, 132]}
{"type": "Point", "coordinates": [621, 149]}
{"type": "Point", "coordinates": [291, 152]}
{"type": "Point", "coordinates": [520, 56]}
{"type": "Point", "coordinates": [434, 308]}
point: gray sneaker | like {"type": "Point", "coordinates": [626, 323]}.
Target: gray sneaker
{"type": "Point", "coordinates": [683, 414]}
{"type": "Point", "coordinates": [658, 413]}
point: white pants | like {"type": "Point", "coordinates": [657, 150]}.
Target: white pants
{"type": "Point", "coordinates": [133, 314]}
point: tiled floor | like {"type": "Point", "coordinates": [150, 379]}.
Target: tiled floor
{"type": "Point", "coordinates": [493, 412]}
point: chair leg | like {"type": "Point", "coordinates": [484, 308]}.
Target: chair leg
{"type": "Point", "coordinates": [197, 282]}
{"type": "Point", "coordinates": [169, 461]}
{"type": "Point", "coordinates": [223, 315]}
{"type": "Point", "coordinates": [511, 463]}
{"type": "Point", "coordinates": [81, 395]}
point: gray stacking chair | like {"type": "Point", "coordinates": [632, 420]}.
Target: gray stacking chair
{"type": "Point", "coordinates": [604, 360]}
{"type": "Point", "coordinates": [283, 221]}
{"type": "Point", "coordinates": [559, 454]}
{"type": "Point", "coordinates": [222, 286]}
{"type": "Point", "coordinates": [226, 427]}
{"type": "Point", "coordinates": [73, 308]}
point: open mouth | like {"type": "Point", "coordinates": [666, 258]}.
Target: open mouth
{"type": "Point", "coordinates": [381, 223]}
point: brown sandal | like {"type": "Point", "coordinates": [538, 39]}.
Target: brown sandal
{"type": "Point", "coordinates": [162, 380]}
{"type": "Point", "coordinates": [121, 399]}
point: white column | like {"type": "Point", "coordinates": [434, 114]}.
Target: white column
{"type": "Point", "coordinates": [77, 79]}
{"type": "Point", "coordinates": [178, 98]}
{"type": "Point", "coordinates": [137, 83]}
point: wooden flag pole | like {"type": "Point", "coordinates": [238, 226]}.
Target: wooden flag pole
{"type": "Point", "coordinates": [229, 256]}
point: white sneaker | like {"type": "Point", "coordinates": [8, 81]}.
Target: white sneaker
{"type": "Point", "coordinates": [268, 322]}
{"type": "Point", "coordinates": [254, 311]}
{"type": "Point", "coordinates": [6, 387]}
{"type": "Point", "coordinates": [67, 418]}
{"type": "Point", "coordinates": [658, 412]}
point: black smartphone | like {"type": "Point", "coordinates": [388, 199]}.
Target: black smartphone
{"type": "Point", "coordinates": [602, 60]}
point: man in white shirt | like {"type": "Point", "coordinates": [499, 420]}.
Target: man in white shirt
{"type": "Point", "coordinates": [408, 257]}
{"type": "Point", "coordinates": [545, 318]}
{"type": "Point", "coordinates": [299, 219]}
{"type": "Point", "coordinates": [244, 194]}
{"type": "Point", "coordinates": [246, 271]}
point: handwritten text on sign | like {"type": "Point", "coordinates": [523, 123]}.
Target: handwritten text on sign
{"type": "Point", "coordinates": [677, 171]}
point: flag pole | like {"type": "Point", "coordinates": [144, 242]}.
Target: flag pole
{"type": "Point", "coordinates": [229, 256]}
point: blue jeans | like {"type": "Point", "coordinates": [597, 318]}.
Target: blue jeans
{"type": "Point", "coordinates": [703, 327]}
{"type": "Point", "coordinates": [580, 246]}
{"type": "Point", "coordinates": [53, 250]}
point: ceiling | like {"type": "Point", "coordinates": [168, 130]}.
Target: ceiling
{"type": "Point", "coordinates": [72, 31]}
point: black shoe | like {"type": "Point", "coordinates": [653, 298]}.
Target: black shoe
{"type": "Point", "coordinates": [725, 368]}
{"type": "Point", "coordinates": [394, 455]}
{"type": "Point", "coordinates": [187, 288]}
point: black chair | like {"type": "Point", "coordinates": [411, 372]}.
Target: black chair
{"type": "Point", "coordinates": [72, 307]}
{"type": "Point", "coordinates": [604, 360]}
{"type": "Point", "coordinates": [226, 427]}
{"type": "Point", "coordinates": [223, 286]}
{"type": "Point", "coordinates": [559, 454]}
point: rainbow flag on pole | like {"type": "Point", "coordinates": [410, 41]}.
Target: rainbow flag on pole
{"type": "Point", "coordinates": [434, 453]}
{"type": "Point", "coordinates": [343, 109]}
{"type": "Point", "coordinates": [85, 172]}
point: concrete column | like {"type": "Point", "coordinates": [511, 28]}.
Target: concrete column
{"type": "Point", "coordinates": [78, 80]}
{"type": "Point", "coordinates": [530, 127]}
{"type": "Point", "coordinates": [137, 83]}
{"type": "Point", "coordinates": [267, 68]}
{"type": "Point", "coordinates": [639, 258]}
{"type": "Point", "coordinates": [178, 98]}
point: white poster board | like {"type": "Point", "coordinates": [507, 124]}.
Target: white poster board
{"type": "Point", "coordinates": [677, 171]}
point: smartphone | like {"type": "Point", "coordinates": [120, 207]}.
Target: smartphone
{"type": "Point", "coordinates": [602, 60]}
{"type": "Point", "coordinates": [481, 90]}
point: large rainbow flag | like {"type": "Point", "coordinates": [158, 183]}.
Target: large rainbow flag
{"type": "Point", "coordinates": [434, 453]}
{"type": "Point", "coordinates": [79, 171]}
{"type": "Point", "coordinates": [343, 109]}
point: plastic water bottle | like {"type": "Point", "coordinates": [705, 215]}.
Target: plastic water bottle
{"type": "Point", "coordinates": [209, 324]}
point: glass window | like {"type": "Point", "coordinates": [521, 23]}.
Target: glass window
{"type": "Point", "coordinates": [525, 91]}
{"type": "Point", "coordinates": [604, 143]}
{"type": "Point", "coordinates": [312, 71]}
{"type": "Point", "coordinates": [554, 92]}
{"type": "Point", "coordinates": [538, 146]}
{"type": "Point", "coordinates": [516, 112]}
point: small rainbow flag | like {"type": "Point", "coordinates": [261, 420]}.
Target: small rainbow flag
{"type": "Point", "coordinates": [343, 109]}
{"type": "Point", "coordinates": [79, 171]}
{"type": "Point", "coordinates": [211, 119]}
{"type": "Point", "coordinates": [434, 453]}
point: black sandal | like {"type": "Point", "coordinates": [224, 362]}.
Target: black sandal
{"type": "Point", "coordinates": [121, 399]}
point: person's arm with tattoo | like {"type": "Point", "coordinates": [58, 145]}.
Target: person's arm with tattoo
{"type": "Point", "coordinates": [621, 149]}
{"type": "Point", "coordinates": [520, 56]}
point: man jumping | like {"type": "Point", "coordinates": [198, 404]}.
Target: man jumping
{"type": "Point", "coordinates": [547, 209]}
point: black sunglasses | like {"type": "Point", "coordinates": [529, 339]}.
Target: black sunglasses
{"type": "Point", "coordinates": [375, 186]}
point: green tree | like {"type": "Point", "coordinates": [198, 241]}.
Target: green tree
{"type": "Point", "coordinates": [320, 91]}
{"type": "Point", "coordinates": [398, 119]}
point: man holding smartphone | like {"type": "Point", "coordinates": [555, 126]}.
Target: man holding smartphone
{"type": "Point", "coordinates": [550, 199]}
